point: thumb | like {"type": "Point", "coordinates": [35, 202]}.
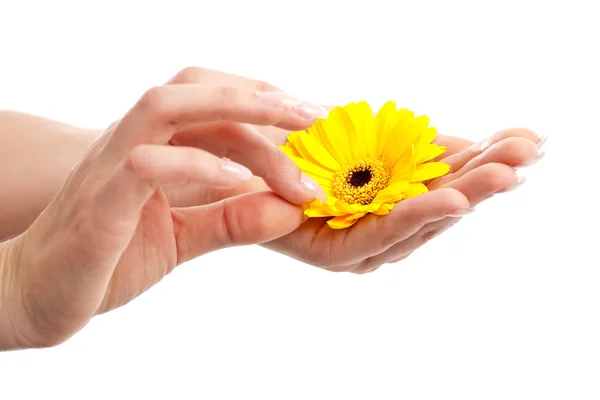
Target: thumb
{"type": "Point", "coordinates": [241, 220]}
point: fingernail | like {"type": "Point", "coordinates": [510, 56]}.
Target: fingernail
{"type": "Point", "coordinates": [520, 181]}
{"type": "Point", "coordinates": [312, 185]}
{"type": "Point", "coordinates": [308, 110]}
{"type": "Point", "coordinates": [542, 142]}
{"type": "Point", "coordinates": [235, 170]}
{"type": "Point", "coordinates": [486, 143]}
{"type": "Point", "coordinates": [533, 160]}
{"type": "Point", "coordinates": [277, 99]}
{"type": "Point", "coordinates": [460, 212]}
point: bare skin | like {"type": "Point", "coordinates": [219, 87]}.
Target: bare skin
{"type": "Point", "coordinates": [131, 204]}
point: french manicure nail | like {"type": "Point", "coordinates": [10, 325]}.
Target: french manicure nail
{"type": "Point", "coordinates": [311, 185]}
{"type": "Point", "coordinates": [533, 160]}
{"type": "Point", "coordinates": [308, 110]}
{"type": "Point", "coordinates": [460, 212]}
{"type": "Point", "coordinates": [277, 99]}
{"type": "Point", "coordinates": [235, 170]}
{"type": "Point", "coordinates": [520, 181]}
{"type": "Point", "coordinates": [542, 142]}
{"type": "Point", "coordinates": [485, 144]}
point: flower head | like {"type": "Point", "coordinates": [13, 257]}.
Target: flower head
{"type": "Point", "coordinates": [366, 163]}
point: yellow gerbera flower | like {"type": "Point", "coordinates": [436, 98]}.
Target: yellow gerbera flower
{"type": "Point", "coordinates": [365, 163]}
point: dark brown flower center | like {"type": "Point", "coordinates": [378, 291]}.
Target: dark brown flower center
{"type": "Point", "coordinates": [360, 177]}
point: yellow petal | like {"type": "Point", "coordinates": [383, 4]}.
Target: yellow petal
{"type": "Point", "coordinates": [349, 208]}
{"type": "Point", "coordinates": [331, 133]}
{"type": "Point", "coordinates": [384, 209]}
{"type": "Point", "coordinates": [385, 120]}
{"type": "Point", "coordinates": [428, 152]}
{"type": "Point", "coordinates": [403, 136]}
{"type": "Point", "coordinates": [364, 123]}
{"type": "Point", "coordinates": [426, 136]}
{"type": "Point", "coordinates": [313, 170]}
{"type": "Point", "coordinates": [316, 210]}
{"type": "Point", "coordinates": [289, 150]}
{"type": "Point", "coordinates": [415, 189]}
{"type": "Point", "coordinates": [312, 150]}
{"type": "Point", "coordinates": [392, 193]}
{"type": "Point", "coordinates": [429, 171]}
{"type": "Point", "coordinates": [344, 221]}
{"type": "Point", "coordinates": [404, 167]}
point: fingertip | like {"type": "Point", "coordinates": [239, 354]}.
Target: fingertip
{"type": "Point", "coordinates": [452, 199]}
{"type": "Point", "coordinates": [512, 151]}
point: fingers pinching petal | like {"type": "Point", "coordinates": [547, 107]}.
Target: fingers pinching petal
{"type": "Point", "coordinates": [242, 143]}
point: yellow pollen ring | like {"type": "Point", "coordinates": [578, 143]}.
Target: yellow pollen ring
{"type": "Point", "coordinates": [360, 181]}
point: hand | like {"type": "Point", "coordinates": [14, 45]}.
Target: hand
{"type": "Point", "coordinates": [110, 233]}
{"type": "Point", "coordinates": [478, 171]}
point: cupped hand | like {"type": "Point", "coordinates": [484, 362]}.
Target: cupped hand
{"type": "Point", "coordinates": [110, 233]}
{"type": "Point", "coordinates": [478, 172]}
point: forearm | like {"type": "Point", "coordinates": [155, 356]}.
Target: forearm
{"type": "Point", "coordinates": [36, 156]}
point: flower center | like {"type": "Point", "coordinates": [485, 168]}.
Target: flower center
{"type": "Point", "coordinates": [360, 181]}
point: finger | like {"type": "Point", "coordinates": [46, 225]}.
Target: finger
{"type": "Point", "coordinates": [164, 110]}
{"type": "Point", "coordinates": [514, 152]}
{"type": "Point", "coordinates": [372, 234]}
{"type": "Point", "coordinates": [119, 202]}
{"type": "Point", "coordinates": [180, 165]}
{"type": "Point", "coordinates": [453, 145]}
{"type": "Point", "coordinates": [458, 160]}
{"type": "Point", "coordinates": [218, 78]}
{"type": "Point", "coordinates": [403, 249]}
{"type": "Point", "coordinates": [247, 219]}
{"type": "Point", "coordinates": [486, 181]}
{"type": "Point", "coordinates": [477, 185]}
{"type": "Point", "coordinates": [243, 144]}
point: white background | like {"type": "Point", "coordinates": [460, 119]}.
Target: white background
{"type": "Point", "coordinates": [505, 305]}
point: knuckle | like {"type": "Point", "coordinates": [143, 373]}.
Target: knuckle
{"type": "Point", "coordinates": [228, 98]}
{"type": "Point", "coordinates": [389, 240]}
{"type": "Point", "coordinates": [133, 162]}
{"type": "Point", "coordinates": [154, 102]}
{"type": "Point", "coordinates": [232, 223]}
{"type": "Point", "coordinates": [190, 75]}
{"type": "Point", "coordinates": [369, 265]}
{"type": "Point", "coordinates": [429, 234]}
{"type": "Point", "coordinates": [495, 175]}
{"type": "Point", "coordinates": [262, 86]}
{"type": "Point", "coordinates": [229, 94]}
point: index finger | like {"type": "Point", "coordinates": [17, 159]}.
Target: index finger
{"type": "Point", "coordinates": [165, 110]}
{"type": "Point", "coordinates": [218, 78]}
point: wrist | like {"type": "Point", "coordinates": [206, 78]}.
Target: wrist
{"type": "Point", "coordinates": [29, 183]}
